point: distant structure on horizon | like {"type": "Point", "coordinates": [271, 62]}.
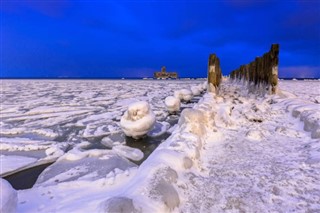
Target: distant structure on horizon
{"type": "Point", "coordinates": [164, 74]}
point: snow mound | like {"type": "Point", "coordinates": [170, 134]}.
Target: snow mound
{"type": "Point", "coordinates": [224, 115]}
{"type": "Point", "coordinates": [204, 86]}
{"type": "Point", "coordinates": [117, 204]}
{"type": "Point", "coordinates": [254, 135]}
{"type": "Point", "coordinates": [194, 121]}
{"type": "Point", "coordinates": [137, 120]}
{"type": "Point", "coordinates": [184, 95]}
{"type": "Point", "coordinates": [172, 103]}
{"type": "Point", "coordinates": [9, 197]}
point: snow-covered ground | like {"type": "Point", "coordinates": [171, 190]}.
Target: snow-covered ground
{"type": "Point", "coordinates": [232, 152]}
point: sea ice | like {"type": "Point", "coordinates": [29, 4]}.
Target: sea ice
{"type": "Point", "coordinates": [11, 163]}
{"type": "Point", "coordinates": [128, 152]}
{"type": "Point", "coordinates": [94, 165]}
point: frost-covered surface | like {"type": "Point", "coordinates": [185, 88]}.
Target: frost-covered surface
{"type": "Point", "coordinates": [8, 197]}
{"type": "Point", "coordinates": [41, 119]}
{"type": "Point", "coordinates": [232, 152]}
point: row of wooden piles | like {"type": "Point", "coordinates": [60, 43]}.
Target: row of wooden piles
{"type": "Point", "coordinates": [262, 72]}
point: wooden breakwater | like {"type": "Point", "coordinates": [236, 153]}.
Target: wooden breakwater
{"type": "Point", "coordinates": [214, 73]}
{"type": "Point", "coordinates": [260, 73]}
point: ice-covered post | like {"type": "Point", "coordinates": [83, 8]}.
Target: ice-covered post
{"type": "Point", "coordinates": [274, 63]}
{"type": "Point", "coordinates": [214, 73]}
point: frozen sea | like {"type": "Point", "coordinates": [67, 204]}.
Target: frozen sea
{"type": "Point", "coordinates": [59, 114]}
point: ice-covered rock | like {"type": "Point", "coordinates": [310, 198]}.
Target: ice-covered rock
{"type": "Point", "coordinates": [172, 103]}
{"type": "Point", "coordinates": [184, 95]}
{"type": "Point", "coordinates": [196, 90]}
{"type": "Point", "coordinates": [137, 120]}
{"type": "Point", "coordinates": [9, 197]}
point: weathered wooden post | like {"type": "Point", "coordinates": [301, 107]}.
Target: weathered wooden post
{"type": "Point", "coordinates": [263, 71]}
{"type": "Point", "coordinates": [274, 62]}
{"type": "Point", "coordinates": [214, 73]}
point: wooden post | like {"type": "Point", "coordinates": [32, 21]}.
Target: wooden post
{"type": "Point", "coordinates": [214, 73]}
{"type": "Point", "coordinates": [262, 71]}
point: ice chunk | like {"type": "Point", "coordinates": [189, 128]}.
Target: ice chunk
{"type": "Point", "coordinates": [93, 167]}
{"type": "Point", "coordinates": [13, 162]}
{"type": "Point", "coordinates": [9, 197]}
{"type": "Point", "coordinates": [172, 103]}
{"type": "Point", "coordinates": [137, 120]}
{"type": "Point", "coordinates": [128, 152]}
{"type": "Point", "coordinates": [159, 129]}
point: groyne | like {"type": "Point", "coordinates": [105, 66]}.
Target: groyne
{"type": "Point", "coordinates": [260, 73]}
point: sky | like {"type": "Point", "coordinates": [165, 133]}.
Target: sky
{"type": "Point", "coordinates": [115, 39]}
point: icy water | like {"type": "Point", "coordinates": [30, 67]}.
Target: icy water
{"type": "Point", "coordinates": [40, 114]}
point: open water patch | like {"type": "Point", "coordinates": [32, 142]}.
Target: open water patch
{"type": "Point", "coordinates": [25, 179]}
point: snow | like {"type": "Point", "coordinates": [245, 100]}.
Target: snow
{"type": "Point", "coordinates": [231, 152]}
{"type": "Point", "coordinates": [8, 196]}
{"type": "Point", "coordinates": [172, 104]}
{"type": "Point", "coordinates": [137, 120]}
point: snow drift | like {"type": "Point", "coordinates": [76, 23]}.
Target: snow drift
{"type": "Point", "coordinates": [9, 197]}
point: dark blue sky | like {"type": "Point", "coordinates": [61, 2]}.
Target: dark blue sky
{"type": "Point", "coordinates": [52, 38]}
